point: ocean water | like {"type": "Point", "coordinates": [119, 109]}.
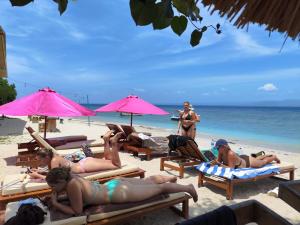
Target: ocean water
{"type": "Point", "coordinates": [275, 126]}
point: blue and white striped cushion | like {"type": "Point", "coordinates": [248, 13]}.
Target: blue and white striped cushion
{"type": "Point", "coordinates": [241, 173]}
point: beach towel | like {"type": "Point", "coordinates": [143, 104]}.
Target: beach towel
{"type": "Point", "coordinates": [220, 216]}
{"type": "Point", "coordinates": [240, 173]}
{"type": "Point", "coordinates": [176, 141]}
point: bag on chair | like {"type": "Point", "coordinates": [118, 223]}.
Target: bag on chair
{"type": "Point", "coordinates": [87, 151]}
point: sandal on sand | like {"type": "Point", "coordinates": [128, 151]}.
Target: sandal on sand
{"type": "Point", "coordinates": [258, 154]}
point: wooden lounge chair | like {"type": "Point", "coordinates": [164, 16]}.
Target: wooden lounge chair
{"type": "Point", "coordinates": [115, 127]}
{"type": "Point", "coordinates": [189, 155]}
{"type": "Point", "coordinates": [290, 193]}
{"type": "Point", "coordinates": [247, 212]}
{"type": "Point", "coordinates": [113, 213]}
{"type": "Point", "coordinates": [156, 147]}
{"type": "Point", "coordinates": [20, 186]}
{"type": "Point", "coordinates": [56, 141]}
{"type": "Point", "coordinates": [129, 129]}
{"type": "Point", "coordinates": [30, 159]}
{"type": "Point", "coordinates": [228, 184]}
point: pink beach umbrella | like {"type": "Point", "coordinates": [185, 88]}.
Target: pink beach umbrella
{"type": "Point", "coordinates": [45, 102]}
{"type": "Point", "coordinates": [134, 105]}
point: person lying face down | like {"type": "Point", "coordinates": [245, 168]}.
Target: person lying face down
{"type": "Point", "coordinates": [111, 158]}
{"type": "Point", "coordinates": [231, 159]}
{"type": "Point", "coordinates": [81, 192]}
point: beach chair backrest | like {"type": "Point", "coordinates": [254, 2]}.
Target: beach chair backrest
{"type": "Point", "coordinates": [114, 127]}
{"type": "Point", "coordinates": [30, 130]}
{"type": "Point", "coordinates": [191, 150]}
{"type": "Point", "coordinates": [128, 129]}
{"type": "Point", "coordinates": [41, 142]}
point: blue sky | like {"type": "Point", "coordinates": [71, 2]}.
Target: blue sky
{"type": "Point", "coordinates": [96, 49]}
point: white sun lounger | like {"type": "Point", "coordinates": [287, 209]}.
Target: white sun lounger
{"type": "Point", "coordinates": [20, 186]}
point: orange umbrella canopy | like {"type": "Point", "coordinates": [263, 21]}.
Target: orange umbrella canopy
{"type": "Point", "coordinates": [3, 70]}
{"type": "Point", "coordinates": [277, 15]}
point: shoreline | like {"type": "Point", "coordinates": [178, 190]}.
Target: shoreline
{"type": "Point", "coordinates": [215, 137]}
{"type": "Point", "coordinates": [209, 197]}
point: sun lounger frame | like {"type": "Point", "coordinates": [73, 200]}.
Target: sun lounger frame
{"type": "Point", "coordinates": [33, 145]}
{"type": "Point", "coordinates": [228, 184]}
{"type": "Point", "coordinates": [26, 158]}
{"type": "Point", "coordinates": [4, 199]}
{"type": "Point", "coordinates": [142, 150]}
{"type": "Point", "coordinates": [253, 211]}
{"type": "Point", "coordinates": [190, 155]}
{"type": "Point", "coordinates": [184, 212]}
{"type": "Point", "coordinates": [288, 193]}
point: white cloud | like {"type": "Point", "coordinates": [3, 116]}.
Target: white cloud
{"type": "Point", "coordinates": [268, 87]}
{"type": "Point", "coordinates": [248, 45]}
{"type": "Point", "coordinates": [180, 92]}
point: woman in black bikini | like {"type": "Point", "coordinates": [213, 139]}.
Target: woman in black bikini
{"type": "Point", "coordinates": [187, 121]}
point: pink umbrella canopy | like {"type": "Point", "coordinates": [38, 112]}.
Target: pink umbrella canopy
{"type": "Point", "coordinates": [134, 105]}
{"type": "Point", "coordinates": [45, 102]}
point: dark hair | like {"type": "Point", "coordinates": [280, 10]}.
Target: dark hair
{"type": "Point", "coordinates": [59, 173]}
{"type": "Point", "coordinates": [27, 214]}
{"type": "Point", "coordinates": [43, 153]}
{"type": "Point", "coordinates": [186, 102]}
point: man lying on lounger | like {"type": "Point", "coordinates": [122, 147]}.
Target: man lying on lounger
{"type": "Point", "coordinates": [111, 158]}
{"type": "Point", "coordinates": [230, 159]}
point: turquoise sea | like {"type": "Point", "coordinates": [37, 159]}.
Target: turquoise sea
{"type": "Point", "coordinates": [275, 126]}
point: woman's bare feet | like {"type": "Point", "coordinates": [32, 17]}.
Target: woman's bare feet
{"type": "Point", "coordinates": [192, 191]}
{"type": "Point", "coordinates": [116, 137]}
{"type": "Point", "coordinates": [276, 159]}
{"type": "Point", "coordinates": [107, 135]}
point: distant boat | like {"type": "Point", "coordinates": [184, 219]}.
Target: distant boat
{"type": "Point", "coordinates": [173, 117]}
{"type": "Point", "coordinates": [129, 114]}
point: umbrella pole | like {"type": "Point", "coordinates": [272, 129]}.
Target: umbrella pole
{"type": "Point", "coordinates": [45, 127]}
{"type": "Point", "coordinates": [130, 119]}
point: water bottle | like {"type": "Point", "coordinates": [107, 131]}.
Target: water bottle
{"type": "Point", "coordinates": [240, 151]}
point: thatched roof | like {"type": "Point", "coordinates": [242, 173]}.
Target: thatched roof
{"type": "Point", "coordinates": [3, 71]}
{"type": "Point", "coordinates": [280, 15]}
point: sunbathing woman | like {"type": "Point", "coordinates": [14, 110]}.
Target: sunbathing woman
{"type": "Point", "coordinates": [81, 192]}
{"type": "Point", "coordinates": [229, 158]}
{"type": "Point", "coordinates": [187, 121]}
{"type": "Point", "coordinates": [111, 158]}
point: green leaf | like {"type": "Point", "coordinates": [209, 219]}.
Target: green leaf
{"type": "Point", "coordinates": [142, 12]}
{"type": "Point", "coordinates": [62, 6]}
{"type": "Point", "coordinates": [163, 17]}
{"type": "Point", "coordinates": [182, 6]}
{"type": "Point", "coordinates": [179, 24]}
{"type": "Point", "coordinates": [20, 2]}
{"type": "Point", "coordinates": [195, 37]}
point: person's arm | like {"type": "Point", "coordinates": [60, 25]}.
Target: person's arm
{"type": "Point", "coordinates": [197, 117]}
{"type": "Point", "coordinates": [179, 123]}
{"type": "Point", "coordinates": [61, 207]}
{"type": "Point", "coordinates": [36, 175]}
{"type": "Point", "coordinates": [194, 117]}
{"type": "Point", "coordinates": [231, 159]}
{"type": "Point", "coordinates": [54, 162]}
{"type": "Point", "coordinates": [74, 195]}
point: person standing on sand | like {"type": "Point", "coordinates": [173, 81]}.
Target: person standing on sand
{"type": "Point", "coordinates": [187, 121]}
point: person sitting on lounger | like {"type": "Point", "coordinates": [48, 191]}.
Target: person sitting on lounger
{"type": "Point", "coordinates": [229, 158]}
{"type": "Point", "coordinates": [111, 158]}
{"type": "Point", "coordinates": [81, 192]}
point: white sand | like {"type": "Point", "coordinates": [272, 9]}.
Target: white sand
{"type": "Point", "coordinates": [209, 197]}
